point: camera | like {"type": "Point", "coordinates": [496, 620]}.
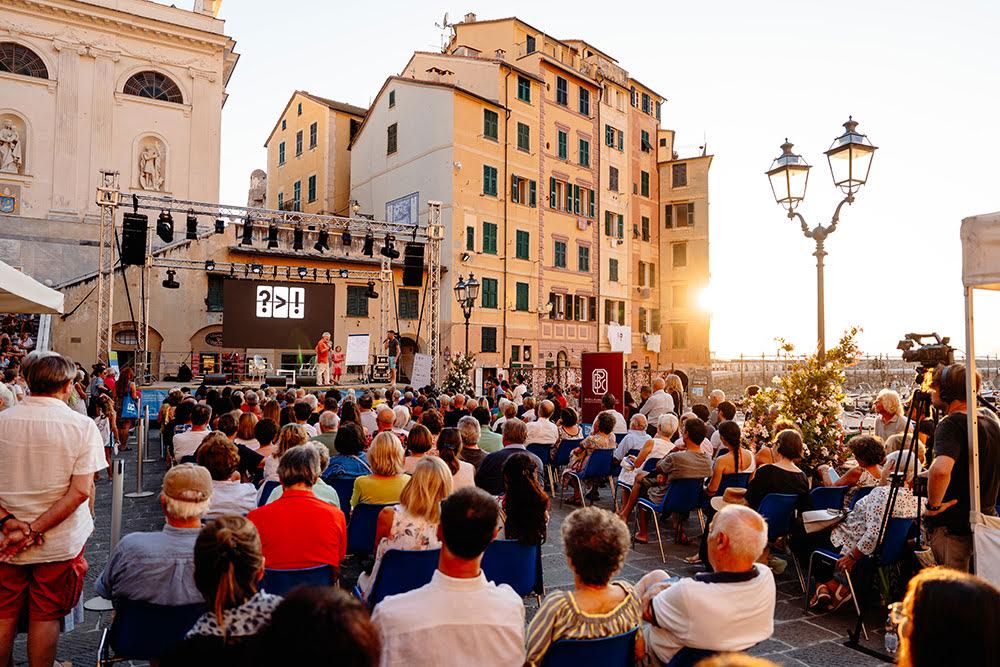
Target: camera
{"type": "Point", "coordinates": [928, 356]}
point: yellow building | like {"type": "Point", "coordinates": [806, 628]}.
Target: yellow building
{"type": "Point", "coordinates": [308, 166]}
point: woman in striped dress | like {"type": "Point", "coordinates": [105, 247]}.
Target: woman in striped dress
{"type": "Point", "coordinates": [596, 542]}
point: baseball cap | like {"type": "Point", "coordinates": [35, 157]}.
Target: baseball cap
{"type": "Point", "coordinates": [188, 482]}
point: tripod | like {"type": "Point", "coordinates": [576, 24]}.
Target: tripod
{"type": "Point", "coordinates": [920, 407]}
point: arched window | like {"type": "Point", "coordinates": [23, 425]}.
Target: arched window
{"type": "Point", "coordinates": [18, 59]}
{"type": "Point", "coordinates": [155, 86]}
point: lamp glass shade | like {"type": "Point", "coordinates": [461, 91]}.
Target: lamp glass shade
{"type": "Point", "coordinates": [472, 288]}
{"type": "Point", "coordinates": [850, 157]}
{"type": "Point", "coordinates": [789, 176]}
{"type": "Point", "coordinates": [460, 290]}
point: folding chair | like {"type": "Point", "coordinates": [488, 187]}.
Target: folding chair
{"type": "Point", "coordinates": [401, 571]}
{"type": "Point", "coordinates": [361, 529]}
{"type": "Point", "coordinates": [683, 495]}
{"type": "Point", "coordinates": [778, 509]}
{"type": "Point", "coordinates": [544, 453]}
{"type": "Point", "coordinates": [145, 631]}
{"type": "Point", "coordinates": [598, 467]}
{"type": "Point", "coordinates": [281, 582]}
{"type": "Point", "coordinates": [616, 651]}
{"type": "Point", "coordinates": [738, 480]}
{"type": "Point", "coordinates": [828, 497]}
{"type": "Point", "coordinates": [517, 565]}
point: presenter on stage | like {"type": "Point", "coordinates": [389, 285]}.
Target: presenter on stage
{"type": "Point", "coordinates": [391, 346]}
{"type": "Point", "coordinates": [323, 360]}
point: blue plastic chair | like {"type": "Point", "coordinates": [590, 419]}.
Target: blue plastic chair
{"type": "Point", "coordinates": [401, 571]}
{"type": "Point", "coordinates": [619, 437]}
{"type": "Point", "coordinates": [265, 492]}
{"type": "Point", "coordinates": [361, 529]}
{"type": "Point", "coordinates": [859, 494]}
{"type": "Point", "coordinates": [344, 486]}
{"type": "Point", "coordinates": [683, 495]}
{"type": "Point", "coordinates": [566, 447]}
{"type": "Point", "coordinates": [778, 510]}
{"type": "Point", "coordinates": [736, 480]}
{"type": "Point", "coordinates": [598, 467]}
{"type": "Point", "coordinates": [616, 651]}
{"type": "Point", "coordinates": [145, 631]}
{"type": "Point", "coordinates": [544, 453]}
{"type": "Point", "coordinates": [689, 657]}
{"type": "Point", "coordinates": [281, 582]}
{"type": "Point", "coordinates": [515, 564]}
{"type": "Point", "coordinates": [649, 465]}
{"type": "Point", "coordinates": [828, 497]}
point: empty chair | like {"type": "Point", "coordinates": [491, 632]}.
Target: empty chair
{"type": "Point", "coordinates": [401, 570]}
{"type": "Point", "coordinates": [598, 467]}
{"type": "Point", "coordinates": [515, 564]}
{"type": "Point", "coordinates": [145, 631]}
{"type": "Point", "coordinates": [280, 582]}
{"type": "Point", "coordinates": [683, 495]}
{"type": "Point", "coordinates": [544, 454]}
{"type": "Point", "coordinates": [617, 651]}
{"type": "Point", "coordinates": [361, 529]}
{"type": "Point", "coordinates": [828, 497]}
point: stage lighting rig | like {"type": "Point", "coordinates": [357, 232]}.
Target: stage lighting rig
{"type": "Point", "coordinates": [344, 273]}
{"type": "Point", "coordinates": [257, 269]}
{"type": "Point", "coordinates": [165, 226]}
{"type": "Point", "coordinates": [303, 272]}
{"type": "Point", "coordinates": [389, 247]}
{"type": "Point", "coordinates": [272, 236]}
{"type": "Point", "coordinates": [220, 226]}
{"type": "Point", "coordinates": [368, 250]}
{"type": "Point", "coordinates": [323, 242]}
{"type": "Point", "coordinates": [346, 239]}
{"type": "Point", "coordinates": [371, 293]}
{"type": "Point", "coordinates": [170, 283]}
{"type": "Point", "coordinates": [297, 238]}
{"type": "Point", "coordinates": [247, 232]}
{"type": "Point", "coordinates": [192, 226]}
{"type": "Point", "coordinates": [210, 265]}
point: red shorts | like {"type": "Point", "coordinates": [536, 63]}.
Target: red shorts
{"type": "Point", "coordinates": [51, 590]}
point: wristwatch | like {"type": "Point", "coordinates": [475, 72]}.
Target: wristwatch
{"type": "Point", "coordinates": [932, 508]}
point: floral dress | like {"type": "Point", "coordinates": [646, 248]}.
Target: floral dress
{"type": "Point", "coordinates": [408, 532]}
{"type": "Point", "coordinates": [578, 457]}
{"type": "Point", "coordinates": [865, 480]}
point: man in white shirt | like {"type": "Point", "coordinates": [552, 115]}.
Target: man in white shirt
{"type": "Point", "coordinates": [459, 618]}
{"type": "Point", "coordinates": [187, 443]}
{"type": "Point", "coordinates": [50, 454]}
{"type": "Point", "coordinates": [367, 414]}
{"type": "Point", "coordinates": [634, 439]}
{"type": "Point", "coordinates": [542, 431]}
{"type": "Point", "coordinates": [303, 411]}
{"type": "Point", "coordinates": [726, 412]}
{"type": "Point", "coordinates": [229, 494]}
{"type": "Point", "coordinates": [659, 402]}
{"type": "Point", "coordinates": [715, 397]}
{"type": "Point", "coordinates": [609, 403]}
{"type": "Point", "coordinates": [519, 391]}
{"type": "Point", "coordinates": [730, 609]}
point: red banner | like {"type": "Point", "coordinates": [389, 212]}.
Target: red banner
{"type": "Point", "coordinates": [603, 373]}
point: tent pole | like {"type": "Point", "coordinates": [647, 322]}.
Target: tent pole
{"type": "Point", "coordinates": [973, 418]}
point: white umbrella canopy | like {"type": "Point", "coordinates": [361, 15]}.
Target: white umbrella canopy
{"type": "Point", "coordinates": [20, 293]}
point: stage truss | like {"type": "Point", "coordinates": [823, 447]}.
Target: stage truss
{"type": "Point", "coordinates": [110, 198]}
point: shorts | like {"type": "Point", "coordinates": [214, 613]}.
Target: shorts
{"type": "Point", "coordinates": [51, 590]}
{"type": "Point", "coordinates": [392, 363]}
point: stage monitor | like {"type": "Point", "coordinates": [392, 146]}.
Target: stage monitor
{"type": "Point", "coordinates": [276, 315]}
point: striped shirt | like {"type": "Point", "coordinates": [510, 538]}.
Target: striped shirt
{"type": "Point", "coordinates": [560, 618]}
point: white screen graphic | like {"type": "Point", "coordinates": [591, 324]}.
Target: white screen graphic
{"type": "Point", "coordinates": [281, 303]}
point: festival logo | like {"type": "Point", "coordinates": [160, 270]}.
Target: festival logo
{"type": "Point", "coordinates": [599, 381]}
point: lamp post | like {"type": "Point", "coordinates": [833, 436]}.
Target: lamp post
{"type": "Point", "coordinates": [850, 157]}
{"type": "Point", "coordinates": [466, 293]}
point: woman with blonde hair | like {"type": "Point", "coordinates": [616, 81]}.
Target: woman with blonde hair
{"type": "Point", "coordinates": [228, 565]}
{"type": "Point", "coordinates": [675, 387]}
{"type": "Point", "coordinates": [289, 436]}
{"type": "Point", "coordinates": [271, 410]}
{"type": "Point", "coordinates": [385, 485]}
{"type": "Point", "coordinates": [244, 433]}
{"type": "Point", "coordinates": [412, 524]}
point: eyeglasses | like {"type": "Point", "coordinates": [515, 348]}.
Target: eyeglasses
{"type": "Point", "coordinates": [897, 613]}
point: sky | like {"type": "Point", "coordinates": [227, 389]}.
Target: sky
{"type": "Point", "coordinates": [921, 78]}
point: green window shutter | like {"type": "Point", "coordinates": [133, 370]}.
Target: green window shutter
{"type": "Point", "coordinates": [621, 226]}
{"type": "Point", "coordinates": [644, 185]}
{"type": "Point", "coordinates": [490, 238]}
{"type": "Point", "coordinates": [591, 204]}
{"type": "Point", "coordinates": [523, 240]}
{"type": "Point", "coordinates": [214, 298]}
{"type": "Point", "coordinates": [312, 188]}
{"type": "Point", "coordinates": [608, 308]}
{"type": "Point", "coordinates": [607, 223]}
{"type": "Point", "coordinates": [515, 191]}
{"type": "Point", "coordinates": [532, 194]}
{"type": "Point", "coordinates": [668, 216]}
{"type": "Point", "coordinates": [489, 293]}
{"type": "Point", "coordinates": [563, 141]}
{"type": "Point", "coordinates": [645, 228]}
{"type": "Point", "coordinates": [691, 214]}
{"type": "Point", "coordinates": [489, 339]}
{"type": "Point", "coordinates": [609, 135]}
{"type": "Point", "coordinates": [489, 180]}
{"type": "Point", "coordinates": [524, 89]}
{"type": "Point", "coordinates": [523, 137]}
{"type": "Point", "coordinates": [490, 123]}
{"type": "Point", "coordinates": [357, 301]}
{"type": "Point", "coordinates": [560, 254]}
{"type": "Point", "coordinates": [621, 312]}
{"type": "Point", "coordinates": [522, 296]}
{"type": "Point", "coordinates": [621, 141]}
{"type": "Point", "coordinates": [409, 300]}
{"type": "Point", "coordinates": [552, 192]}
{"type": "Point", "coordinates": [584, 153]}
{"type": "Point", "coordinates": [592, 308]}
{"type": "Point", "coordinates": [613, 270]}
{"type": "Point", "coordinates": [470, 239]}
{"type": "Point", "coordinates": [576, 199]}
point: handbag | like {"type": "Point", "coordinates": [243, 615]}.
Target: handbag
{"type": "Point", "coordinates": [130, 407]}
{"type": "Point", "coordinates": [816, 520]}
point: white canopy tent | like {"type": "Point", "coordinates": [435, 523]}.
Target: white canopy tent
{"type": "Point", "coordinates": [23, 294]}
{"type": "Point", "coordinates": [980, 270]}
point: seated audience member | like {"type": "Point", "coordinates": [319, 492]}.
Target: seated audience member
{"type": "Point", "coordinates": [457, 411]}
{"type": "Point", "coordinates": [251, 404]}
{"type": "Point", "coordinates": [244, 431]}
{"type": "Point", "coordinates": [857, 535]}
{"type": "Point", "coordinates": [489, 477]}
{"type": "Point", "coordinates": [449, 448]}
{"type": "Point", "coordinates": [227, 424]}
{"type": "Point", "coordinates": [299, 530]}
{"type": "Point", "coordinates": [636, 437]}
{"type": "Point", "coordinates": [737, 458]}
{"type": "Point", "coordinates": [525, 503]}
{"type": "Point", "coordinates": [542, 431]}
{"type": "Point", "coordinates": [470, 430]}
{"type": "Point", "coordinates": [433, 421]}
{"type": "Point", "coordinates": [727, 412]}
{"type": "Point", "coordinates": [314, 624]}
{"type": "Point", "coordinates": [528, 409]}
{"type": "Point", "coordinates": [782, 476]}
{"type": "Point", "coordinates": [569, 429]}
{"type": "Point", "coordinates": [265, 432]}
{"type": "Point", "coordinates": [602, 437]}
{"type": "Point", "coordinates": [159, 567]}
{"type": "Point", "coordinates": [384, 420]}
{"type": "Point", "coordinates": [401, 421]}
{"type": "Point", "coordinates": [349, 460]}
{"type": "Point", "coordinates": [413, 523]}
{"type": "Point", "coordinates": [738, 596]}
{"type": "Point", "coordinates": [652, 449]}
{"type": "Point", "coordinates": [894, 443]}
{"type": "Point", "coordinates": [302, 410]}
{"type": "Point", "coordinates": [507, 411]}
{"type": "Point", "coordinates": [702, 412]}
{"type": "Point", "coordinates": [869, 453]}
{"type": "Point", "coordinates": [765, 453]}
{"type": "Point", "coordinates": [488, 441]}
{"type": "Point", "coordinates": [948, 617]}
{"type": "Point", "coordinates": [387, 480]}
{"type": "Point", "coordinates": [320, 489]}
{"type": "Point", "coordinates": [459, 618]}
{"type": "Point", "coordinates": [290, 435]}
{"type": "Point", "coordinates": [328, 424]}
{"type": "Point", "coordinates": [228, 565]}
{"type": "Point", "coordinates": [609, 404]}
{"type": "Point", "coordinates": [186, 443]}
{"type": "Point", "coordinates": [419, 444]}
{"type": "Point", "coordinates": [688, 463]}
{"type": "Point", "coordinates": [229, 495]}
{"type": "Point", "coordinates": [596, 542]}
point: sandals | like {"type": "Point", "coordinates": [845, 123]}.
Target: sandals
{"type": "Point", "coordinates": [840, 596]}
{"type": "Point", "coordinates": [680, 537]}
{"type": "Point", "coordinates": [639, 540]}
{"type": "Point", "coordinates": [693, 560]}
{"type": "Point", "coordinates": [821, 597]}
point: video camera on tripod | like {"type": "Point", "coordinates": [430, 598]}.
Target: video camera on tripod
{"type": "Point", "coordinates": [928, 355]}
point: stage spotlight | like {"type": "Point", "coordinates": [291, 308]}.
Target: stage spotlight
{"type": "Point", "coordinates": [247, 232]}
{"type": "Point", "coordinates": [303, 272]}
{"type": "Point", "coordinates": [297, 238]}
{"type": "Point", "coordinates": [345, 238]}
{"type": "Point", "coordinates": [328, 275]}
{"type": "Point", "coordinates": [220, 226]}
{"type": "Point", "coordinates": [192, 226]}
{"type": "Point", "coordinates": [170, 283]}
{"type": "Point", "coordinates": [323, 242]}
{"type": "Point", "coordinates": [371, 293]}
{"type": "Point", "coordinates": [272, 236]}
{"type": "Point", "coordinates": [369, 248]}
{"type": "Point", "coordinates": [389, 248]}
{"type": "Point", "coordinates": [232, 270]}
{"type": "Point", "coordinates": [210, 265]}
{"type": "Point", "coordinates": [165, 226]}
{"type": "Point", "coordinates": [344, 273]}
{"type": "Point", "coordinates": [257, 269]}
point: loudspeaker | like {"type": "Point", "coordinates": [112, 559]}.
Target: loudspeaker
{"type": "Point", "coordinates": [215, 379]}
{"type": "Point", "coordinates": [276, 380]}
{"type": "Point", "coordinates": [413, 265]}
{"type": "Point", "coordinates": [134, 229]}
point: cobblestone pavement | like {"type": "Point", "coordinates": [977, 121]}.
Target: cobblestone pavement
{"type": "Point", "coordinates": [800, 637]}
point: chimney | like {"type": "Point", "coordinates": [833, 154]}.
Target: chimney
{"type": "Point", "coordinates": [500, 54]}
{"type": "Point", "coordinates": [209, 7]}
{"type": "Point", "coordinates": [469, 18]}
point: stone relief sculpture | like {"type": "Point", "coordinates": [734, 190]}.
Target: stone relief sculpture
{"type": "Point", "coordinates": [151, 167]}
{"type": "Point", "coordinates": [258, 188]}
{"type": "Point", "coordinates": [11, 157]}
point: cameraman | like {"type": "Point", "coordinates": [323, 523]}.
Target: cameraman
{"type": "Point", "coordinates": [948, 505]}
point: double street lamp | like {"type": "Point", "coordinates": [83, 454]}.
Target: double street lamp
{"type": "Point", "coordinates": [466, 293]}
{"type": "Point", "coordinates": [850, 159]}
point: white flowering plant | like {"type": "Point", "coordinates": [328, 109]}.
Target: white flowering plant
{"type": "Point", "coordinates": [458, 380]}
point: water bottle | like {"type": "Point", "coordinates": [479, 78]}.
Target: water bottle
{"type": "Point", "coordinates": [891, 638]}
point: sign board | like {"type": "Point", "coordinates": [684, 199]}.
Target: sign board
{"type": "Point", "coordinates": [420, 376]}
{"type": "Point", "coordinates": [113, 361]}
{"type": "Point", "coordinates": [403, 210]}
{"type": "Point", "coordinates": [274, 315]}
{"type": "Point", "coordinates": [603, 373]}
{"type": "Point", "coordinates": [357, 350]}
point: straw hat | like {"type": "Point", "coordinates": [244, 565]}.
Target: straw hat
{"type": "Point", "coordinates": [731, 496]}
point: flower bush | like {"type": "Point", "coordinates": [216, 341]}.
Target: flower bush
{"type": "Point", "coordinates": [458, 379]}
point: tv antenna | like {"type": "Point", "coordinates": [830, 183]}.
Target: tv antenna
{"type": "Point", "coordinates": [447, 30]}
